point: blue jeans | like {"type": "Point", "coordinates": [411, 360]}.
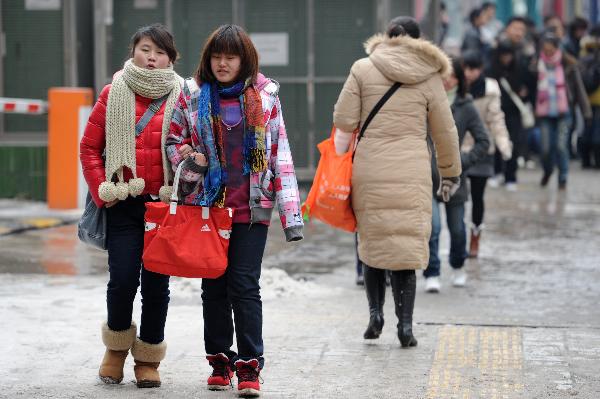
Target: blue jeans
{"type": "Point", "coordinates": [555, 134]}
{"type": "Point", "coordinates": [455, 214]}
{"type": "Point", "coordinates": [125, 228]}
{"type": "Point", "coordinates": [238, 290]}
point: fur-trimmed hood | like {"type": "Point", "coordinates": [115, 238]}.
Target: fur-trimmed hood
{"type": "Point", "coordinates": [407, 60]}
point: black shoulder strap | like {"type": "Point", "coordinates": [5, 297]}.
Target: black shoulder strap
{"type": "Point", "coordinates": [153, 108]}
{"type": "Point", "coordinates": [377, 107]}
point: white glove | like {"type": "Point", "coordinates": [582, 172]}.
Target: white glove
{"type": "Point", "coordinates": [448, 187]}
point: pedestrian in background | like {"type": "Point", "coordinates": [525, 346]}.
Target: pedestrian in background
{"type": "Point", "coordinates": [590, 67]}
{"type": "Point", "coordinates": [486, 98]}
{"type": "Point", "coordinates": [142, 97]}
{"type": "Point", "coordinates": [239, 158]}
{"type": "Point", "coordinates": [473, 40]}
{"type": "Point", "coordinates": [571, 48]}
{"type": "Point", "coordinates": [511, 76]}
{"type": "Point", "coordinates": [492, 28]}
{"type": "Point", "coordinates": [572, 41]}
{"type": "Point", "coordinates": [391, 183]}
{"type": "Point", "coordinates": [558, 78]}
{"type": "Point", "coordinates": [467, 119]}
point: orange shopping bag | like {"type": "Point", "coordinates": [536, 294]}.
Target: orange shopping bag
{"type": "Point", "coordinates": [329, 196]}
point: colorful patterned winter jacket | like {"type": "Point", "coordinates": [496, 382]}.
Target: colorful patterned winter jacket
{"type": "Point", "coordinates": [277, 183]}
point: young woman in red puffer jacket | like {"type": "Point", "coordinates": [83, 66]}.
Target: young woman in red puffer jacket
{"type": "Point", "coordinates": [125, 167]}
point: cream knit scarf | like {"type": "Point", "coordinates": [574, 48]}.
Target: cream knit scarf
{"type": "Point", "coordinates": [120, 127]}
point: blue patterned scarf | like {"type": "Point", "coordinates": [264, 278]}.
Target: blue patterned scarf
{"type": "Point", "coordinates": [210, 128]}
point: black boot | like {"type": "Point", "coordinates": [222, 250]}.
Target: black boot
{"type": "Point", "coordinates": [597, 156]}
{"type": "Point", "coordinates": [375, 288]}
{"type": "Point", "coordinates": [404, 285]}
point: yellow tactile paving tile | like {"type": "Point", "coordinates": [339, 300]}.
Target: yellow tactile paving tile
{"type": "Point", "coordinates": [473, 362]}
{"type": "Point", "coordinates": [41, 223]}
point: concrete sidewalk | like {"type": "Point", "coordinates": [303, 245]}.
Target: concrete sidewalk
{"type": "Point", "coordinates": [17, 216]}
{"type": "Point", "coordinates": [526, 325]}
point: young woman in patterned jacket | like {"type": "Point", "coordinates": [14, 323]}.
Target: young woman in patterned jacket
{"type": "Point", "coordinates": [239, 158]}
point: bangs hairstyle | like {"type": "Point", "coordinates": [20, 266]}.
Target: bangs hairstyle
{"type": "Point", "coordinates": [228, 39]}
{"type": "Point", "coordinates": [159, 34]}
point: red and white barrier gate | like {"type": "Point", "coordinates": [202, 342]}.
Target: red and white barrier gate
{"type": "Point", "coordinates": [23, 106]}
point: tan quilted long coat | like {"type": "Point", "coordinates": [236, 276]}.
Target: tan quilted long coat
{"type": "Point", "coordinates": [391, 182]}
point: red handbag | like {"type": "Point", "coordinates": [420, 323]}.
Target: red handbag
{"type": "Point", "coordinates": [185, 240]}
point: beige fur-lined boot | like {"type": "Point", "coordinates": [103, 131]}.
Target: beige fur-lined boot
{"type": "Point", "coordinates": [147, 359]}
{"type": "Point", "coordinates": [117, 345]}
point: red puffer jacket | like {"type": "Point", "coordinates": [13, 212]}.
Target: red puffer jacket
{"type": "Point", "coordinates": [147, 147]}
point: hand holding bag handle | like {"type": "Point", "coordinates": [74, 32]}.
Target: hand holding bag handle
{"type": "Point", "coordinates": [175, 197]}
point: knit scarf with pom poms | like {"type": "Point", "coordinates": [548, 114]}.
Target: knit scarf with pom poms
{"type": "Point", "coordinates": [120, 127]}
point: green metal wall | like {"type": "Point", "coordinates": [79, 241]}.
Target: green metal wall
{"type": "Point", "coordinates": [33, 61]}
{"type": "Point", "coordinates": [341, 27]}
{"type": "Point", "coordinates": [24, 172]}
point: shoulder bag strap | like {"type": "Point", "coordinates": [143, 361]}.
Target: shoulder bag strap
{"type": "Point", "coordinates": [153, 108]}
{"type": "Point", "coordinates": [375, 110]}
{"type": "Point", "coordinates": [377, 107]}
{"type": "Point", "coordinates": [513, 96]}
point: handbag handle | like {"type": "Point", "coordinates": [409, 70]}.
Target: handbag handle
{"type": "Point", "coordinates": [374, 112]}
{"type": "Point", "coordinates": [174, 196]}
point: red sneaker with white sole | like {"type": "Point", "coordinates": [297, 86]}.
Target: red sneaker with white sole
{"type": "Point", "coordinates": [220, 379]}
{"type": "Point", "coordinates": [248, 372]}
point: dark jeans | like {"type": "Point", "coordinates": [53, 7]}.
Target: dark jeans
{"type": "Point", "coordinates": [125, 227]}
{"type": "Point", "coordinates": [554, 146]}
{"type": "Point", "coordinates": [515, 131]}
{"type": "Point", "coordinates": [455, 214]}
{"type": "Point", "coordinates": [238, 290]}
{"type": "Point", "coordinates": [477, 192]}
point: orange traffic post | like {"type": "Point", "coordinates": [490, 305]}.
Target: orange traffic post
{"type": "Point", "coordinates": [68, 110]}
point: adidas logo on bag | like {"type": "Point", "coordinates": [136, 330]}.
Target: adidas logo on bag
{"type": "Point", "coordinates": [205, 228]}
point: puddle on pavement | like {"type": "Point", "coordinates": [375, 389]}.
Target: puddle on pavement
{"type": "Point", "coordinates": [52, 251]}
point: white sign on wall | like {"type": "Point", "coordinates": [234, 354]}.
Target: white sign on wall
{"type": "Point", "coordinates": [145, 4]}
{"type": "Point", "coordinates": [42, 5]}
{"type": "Point", "coordinates": [273, 48]}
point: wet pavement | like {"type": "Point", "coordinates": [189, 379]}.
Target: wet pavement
{"type": "Point", "coordinates": [526, 326]}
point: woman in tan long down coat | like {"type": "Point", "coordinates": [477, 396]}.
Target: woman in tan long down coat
{"type": "Point", "coordinates": [391, 181]}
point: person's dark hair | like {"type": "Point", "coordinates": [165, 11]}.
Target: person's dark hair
{"type": "Point", "coordinates": [401, 26]}
{"type": "Point", "coordinates": [578, 23]}
{"type": "Point", "coordinates": [228, 39]}
{"type": "Point", "coordinates": [529, 23]}
{"type": "Point", "coordinates": [550, 37]}
{"type": "Point", "coordinates": [472, 59]}
{"type": "Point", "coordinates": [516, 19]}
{"type": "Point", "coordinates": [550, 17]}
{"type": "Point", "coordinates": [474, 14]}
{"type": "Point", "coordinates": [487, 4]}
{"type": "Point", "coordinates": [459, 73]}
{"type": "Point", "coordinates": [497, 69]}
{"type": "Point", "coordinates": [159, 34]}
{"type": "Point", "coordinates": [505, 47]}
